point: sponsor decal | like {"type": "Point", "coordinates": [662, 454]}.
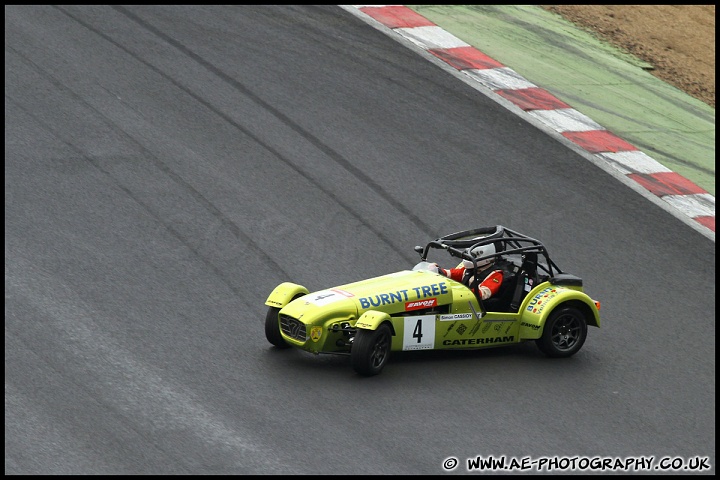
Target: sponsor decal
{"type": "Point", "coordinates": [325, 297]}
{"type": "Point", "coordinates": [315, 333]}
{"type": "Point", "coordinates": [449, 328]}
{"type": "Point", "coordinates": [404, 295]}
{"type": "Point", "coordinates": [486, 327]}
{"type": "Point", "coordinates": [461, 329]}
{"type": "Point", "coordinates": [418, 347]}
{"type": "Point", "coordinates": [541, 308]}
{"type": "Point", "coordinates": [418, 304]}
{"type": "Point", "coordinates": [384, 299]}
{"type": "Point", "coordinates": [538, 302]}
{"type": "Point", "coordinates": [478, 341]}
{"type": "Point", "coordinates": [530, 325]}
{"type": "Point", "coordinates": [456, 316]}
{"type": "Point", "coordinates": [342, 292]}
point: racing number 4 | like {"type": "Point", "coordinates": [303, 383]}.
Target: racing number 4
{"type": "Point", "coordinates": [417, 331]}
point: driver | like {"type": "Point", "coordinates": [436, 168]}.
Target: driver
{"type": "Point", "coordinates": [492, 279]}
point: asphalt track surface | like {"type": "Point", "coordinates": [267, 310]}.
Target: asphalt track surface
{"type": "Point", "coordinates": [166, 167]}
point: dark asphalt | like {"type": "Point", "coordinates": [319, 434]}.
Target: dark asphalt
{"type": "Point", "coordinates": [167, 166]}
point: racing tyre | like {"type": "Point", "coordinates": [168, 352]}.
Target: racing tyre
{"type": "Point", "coordinates": [564, 333]}
{"type": "Point", "coordinates": [272, 328]}
{"type": "Point", "coordinates": [371, 350]}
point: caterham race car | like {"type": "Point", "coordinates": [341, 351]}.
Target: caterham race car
{"type": "Point", "coordinates": [421, 309]}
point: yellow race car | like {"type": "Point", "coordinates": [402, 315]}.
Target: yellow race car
{"type": "Point", "coordinates": [421, 309]}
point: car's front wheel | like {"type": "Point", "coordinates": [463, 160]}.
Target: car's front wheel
{"type": "Point", "coordinates": [371, 350]}
{"type": "Point", "coordinates": [272, 328]}
{"type": "Point", "coordinates": [564, 333]}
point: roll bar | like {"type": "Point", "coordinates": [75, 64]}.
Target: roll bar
{"type": "Point", "coordinates": [508, 242]}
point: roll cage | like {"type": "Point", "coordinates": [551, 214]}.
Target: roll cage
{"type": "Point", "coordinates": [528, 254]}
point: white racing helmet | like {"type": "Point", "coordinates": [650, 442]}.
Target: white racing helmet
{"type": "Point", "coordinates": [488, 249]}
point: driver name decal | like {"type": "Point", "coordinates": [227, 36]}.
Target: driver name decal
{"type": "Point", "coordinates": [456, 316]}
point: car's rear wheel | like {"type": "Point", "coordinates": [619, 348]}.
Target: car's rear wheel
{"type": "Point", "coordinates": [371, 350]}
{"type": "Point", "coordinates": [272, 328]}
{"type": "Point", "coordinates": [564, 333]}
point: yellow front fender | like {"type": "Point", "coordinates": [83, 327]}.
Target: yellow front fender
{"type": "Point", "coordinates": [371, 320]}
{"type": "Point", "coordinates": [284, 293]}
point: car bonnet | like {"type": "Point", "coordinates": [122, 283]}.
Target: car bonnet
{"type": "Point", "coordinates": [401, 291]}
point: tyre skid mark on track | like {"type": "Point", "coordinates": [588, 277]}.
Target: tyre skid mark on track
{"type": "Point", "coordinates": [335, 156]}
{"type": "Point", "coordinates": [174, 177]}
